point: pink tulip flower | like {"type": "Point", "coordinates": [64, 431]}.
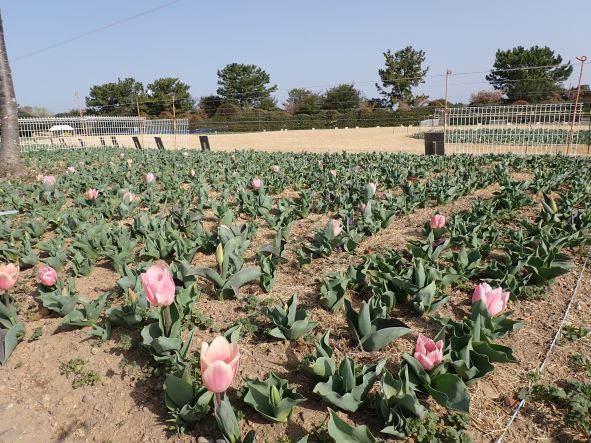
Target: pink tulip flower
{"type": "Point", "coordinates": [47, 276]}
{"type": "Point", "coordinates": [337, 227]}
{"type": "Point", "coordinates": [219, 364]}
{"type": "Point", "coordinates": [437, 221]}
{"type": "Point", "coordinates": [130, 197]}
{"type": "Point", "coordinates": [158, 285]}
{"type": "Point", "coordinates": [480, 290]}
{"type": "Point", "coordinates": [333, 172]}
{"type": "Point", "coordinates": [150, 177]}
{"type": "Point", "coordinates": [256, 183]}
{"type": "Point", "coordinates": [8, 276]}
{"type": "Point", "coordinates": [91, 194]}
{"type": "Point", "coordinates": [495, 299]}
{"type": "Point", "coordinates": [428, 353]}
{"type": "Point", "coordinates": [275, 169]}
{"type": "Point", "coordinates": [48, 180]}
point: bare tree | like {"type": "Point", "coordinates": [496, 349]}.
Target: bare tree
{"type": "Point", "coordinates": [10, 162]}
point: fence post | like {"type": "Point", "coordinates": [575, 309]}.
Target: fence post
{"type": "Point", "coordinates": [447, 74]}
{"type": "Point", "coordinates": [140, 122]}
{"type": "Point", "coordinates": [582, 59]}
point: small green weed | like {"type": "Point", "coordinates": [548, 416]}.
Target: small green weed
{"type": "Point", "coordinates": [580, 363]}
{"type": "Point", "coordinates": [73, 366]}
{"type": "Point", "coordinates": [435, 428]}
{"type": "Point", "coordinates": [533, 376]}
{"type": "Point", "coordinates": [249, 325]}
{"type": "Point", "coordinates": [254, 303]}
{"type": "Point", "coordinates": [81, 376]}
{"type": "Point", "coordinates": [202, 321]}
{"type": "Point", "coordinates": [573, 333]}
{"type": "Point", "coordinates": [574, 400]}
{"type": "Point", "coordinates": [126, 342]}
{"type": "Point", "coordinates": [37, 332]}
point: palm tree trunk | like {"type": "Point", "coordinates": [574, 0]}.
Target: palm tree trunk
{"type": "Point", "coordinates": [10, 163]}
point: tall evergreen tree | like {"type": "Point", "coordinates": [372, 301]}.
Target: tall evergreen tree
{"type": "Point", "coordinates": [403, 72]}
{"type": "Point", "coordinates": [245, 85]}
{"type": "Point", "coordinates": [532, 74]}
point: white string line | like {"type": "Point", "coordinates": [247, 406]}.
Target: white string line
{"type": "Point", "coordinates": [550, 348]}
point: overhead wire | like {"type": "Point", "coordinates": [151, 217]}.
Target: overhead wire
{"type": "Point", "coordinates": [96, 30]}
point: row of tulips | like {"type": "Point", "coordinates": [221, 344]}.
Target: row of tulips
{"type": "Point", "coordinates": [465, 358]}
{"type": "Point", "coordinates": [468, 354]}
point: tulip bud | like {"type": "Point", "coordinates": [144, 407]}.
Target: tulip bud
{"type": "Point", "coordinates": [274, 396]}
{"type": "Point", "coordinates": [219, 254]}
{"type": "Point", "coordinates": [187, 376]}
{"type": "Point", "coordinates": [550, 202]}
{"type": "Point", "coordinates": [131, 296]}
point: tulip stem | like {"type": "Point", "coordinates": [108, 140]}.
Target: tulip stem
{"type": "Point", "coordinates": [218, 400]}
{"type": "Point", "coordinates": [6, 299]}
{"type": "Point", "coordinates": [167, 320]}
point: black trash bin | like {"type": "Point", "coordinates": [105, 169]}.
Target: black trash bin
{"type": "Point", "coordinates": [434, 143]}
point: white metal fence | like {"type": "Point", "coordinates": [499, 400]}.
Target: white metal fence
{"type": "Point", "coordinates": [51, 133]}
{"type": "Point", "coordinates": [524, 129]}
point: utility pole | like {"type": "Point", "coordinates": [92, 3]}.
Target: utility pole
{"type": "Point", "coordinates": [582, 59]}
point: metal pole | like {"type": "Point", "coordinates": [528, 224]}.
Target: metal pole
{"type": "Point", "coordinates": [447, 74]}
{"type": "Point", "coordinates": [84, 131]}
{"type": "Point", "coordinates": [174, 121]}
{"type": "Point", "coordinates": [582, 59]}
{"type": "Point", "coordinates": [139, 116]}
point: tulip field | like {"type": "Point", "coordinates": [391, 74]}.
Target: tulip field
{"type": "Point", "coordinates": [290, 297]}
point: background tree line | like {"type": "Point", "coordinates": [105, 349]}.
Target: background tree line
{"type": "Point", "coordinates": [244, 97]}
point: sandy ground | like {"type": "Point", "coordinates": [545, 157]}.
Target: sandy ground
{"type": "Point", "coordinates": [324, 140]}
{"type": "Point", "coordinates": [385, 139]}
{"type": "Point", "coordinates": [319, 140]}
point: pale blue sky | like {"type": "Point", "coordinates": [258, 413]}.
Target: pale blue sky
{"type": "Point", "coordinates": [313, 44]}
